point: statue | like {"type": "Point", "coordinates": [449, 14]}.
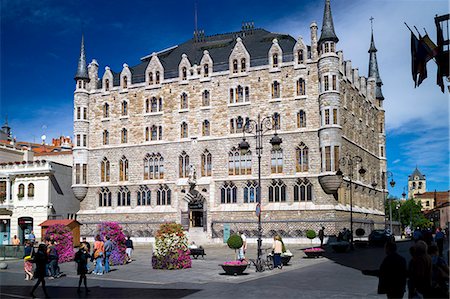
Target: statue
{"type": "Point", "coordinates": [192, 180]}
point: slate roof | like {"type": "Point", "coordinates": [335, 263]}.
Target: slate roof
{"type": "Point", "coordinates": [256, 41]}
{"type": "Point", "coordinates": [415, 173]}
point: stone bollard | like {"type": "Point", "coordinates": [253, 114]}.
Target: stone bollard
{"type": "Point", "coordinates": [3, 265]}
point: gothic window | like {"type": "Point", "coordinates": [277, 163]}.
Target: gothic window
{"type": "Point", "coordinates": [123, 197]}
{"type": "Point", "coordinates": [326, 83]}
{"type": "Point", "coordinates": [235, 66]}
{"type": "Point", "coordinates": [303, 190]}
{"type": "Point", "coordinates": [183, 73]}
{"type": "Point", "coordinates": [147, 105]}
{"type": "Point", "coordinates": [183, 165]}
{"type": "Point", "coordinates": [143, 196]}
{"type": "Point", "coordinates": [231, 95]}
{"type": "Point", "coordinates": [150, 78]}
{"type": "Point", "coordinates": [107, 84]}
{"type": "Point", "coordinates": [275, 60]}
{"type": "Point", "coordinates": [154, 132]}
{"type": "Point", "coordinates": [300, 56]}
{"type": "Point", "coordinates": [184, 101]}
{"type": "Point", "coordinates": [276, 121]}
{"type": "Point", "coordinates": [106, 110]}
{"type": "Point", "coordinates": [124, 108]}
{"type": "Point", "coordinates": [205, 128]}
{"type": "Point", "coordinates": [124, 136]}
{"type": "Point", "coordinates": [31, 190]}
{"type": "Point", "coordinates": [238, 124]}
{"type": "Point", "coordinates": [104, 198]}
{"type": "Point", "coordinates": [21, 192]}
{"type": "Point", "coordinates": [184, 130]}
{"type": "Point", "coordinates": [154, 105]}
{"type": "Point", "coordinates": [240, 94]}
{"type": "Point", "coordinates": [123, 169]}
{"type": "Point", "coordinates": [147, 133]}
{"type": "Point", "coordinates": [84, 173]}
{"type": "Point", "coordinates": [335, 116]}
{"type": "Point", "coordinates": [206, 163]}
{"type": "Point", "coordinates": [334, 82]}
{"type": "Point", "coordinates": [275, 90]}
{"type": "Point", "coordinates": [157, 81]}
{"type": "Point", "coordinates": [301, 87]}
{"type": "Point", "coordinates": [206, 70]}
{"type": "Point", "coordinates": [78, 112]}
{"type": "Point", "coordinates": [301, 119]}
{"type": "Point", "coordinates": [163, 196]}
{"type": "Point", "coordinates": [125, 82]}
{"type": "Point", "coordinates": [277, 191]}
{"type": "Point", "coordinates": [228, 193]}
{"type": "Point", "coordinates": [327, 117]}
{"type": "Point", "coordinates": [276, 161]}
{"type": "Point", "coordinates": [105, 137]}
{"type": "Point", "coordinates": [205, 98]}
{"type": "Point", "coordinates": [247, 94]}
{"type": "Point", "coordinates": [243, 65]}
{"type": "Point", "coordinates": [153, 167]}
{"type": "Point", "coordinates": [239, 164]}
{"type": "Point", "coordinates": [77, 174]}
{"type": "Point", "coordinates": [302, 158]}
{"type": "Point", "coordinates": [104, 170]}
{"type": "Point", "coordinates": [250, 192]}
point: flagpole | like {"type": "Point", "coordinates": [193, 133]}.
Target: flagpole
{"type": "Point", "coordinates": [409, 28]}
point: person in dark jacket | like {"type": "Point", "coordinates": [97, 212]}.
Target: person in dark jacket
{"type": "Point", "coordinates": [40, 259]}
{"type": "Point", "coordinates": [81, 258]}
{"type": "Point", "coordinates": [129, 250]}
{"type": "Point", "coordinates": [392, 273]}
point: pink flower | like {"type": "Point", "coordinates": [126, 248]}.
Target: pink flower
{"type": "Point", "coordinates": [235, 263]}
{"type": "Point", "coordinates": [313, 249]}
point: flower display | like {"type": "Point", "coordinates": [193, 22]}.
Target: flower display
{"type": "Point", "coordinates": [236, 263]}
{"type": "Point", "coordinates": [313, 249]}
{"type": "Point", "coordinates": [64, 241]}
{"type": "Point", "coordinates": [116, 235]}
{"type": "Point", "coordinates": [171, 248]}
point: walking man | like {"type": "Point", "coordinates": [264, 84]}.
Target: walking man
{"type": "Point", "coordinates": [321, 235]}
{"type": "Point", "coordinates": [108, 249]}
{"type": "Point", "coordinates": [129, 250]}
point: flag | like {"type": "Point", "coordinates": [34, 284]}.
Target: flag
{"type": "Point", "coordinates": [419, 59]}
{"type": "Point", "coordinates": [442, 58]}
{"type": "Point", "coordinates": [430, 47]}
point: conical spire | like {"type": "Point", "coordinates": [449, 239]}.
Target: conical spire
{"type": "Point", "coordinates": [373, 67]}
{"type": "Point", "coordinates": [82, 72]}
{"type": "Point", "coordinates": [328, 33]}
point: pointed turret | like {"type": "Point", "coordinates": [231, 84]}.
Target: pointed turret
{"type": "Point", "coordinates": [82, 71]}
{"type": "Point", "coordinates": [373, 68]}
{"type": "Point", "coordinates": [6, 129]}
{"type": "Point", "coordinates": [328, 33]}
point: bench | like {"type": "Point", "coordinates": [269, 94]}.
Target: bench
{"type": "Point", "coordinates": [196, 252]}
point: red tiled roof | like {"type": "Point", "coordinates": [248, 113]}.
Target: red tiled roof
{"type": "Point", "coordinates": [58, 221]}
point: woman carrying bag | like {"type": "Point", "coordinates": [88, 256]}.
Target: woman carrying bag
{"type": "Point", "coordinates": [99, 251]}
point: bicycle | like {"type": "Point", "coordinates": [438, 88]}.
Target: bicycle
{"type": "Point", "coordinates": [266, 261]}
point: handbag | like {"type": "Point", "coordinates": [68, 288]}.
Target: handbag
{"type": "Point", "coordinates": [98, 254]}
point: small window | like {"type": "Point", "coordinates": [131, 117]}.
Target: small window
{"type": "Point", "coordinates": [85, 116]}
{"type": "Point", "coordinates": [206, 163]}
{"type": "Point", "coordinates": [163, 196]}
{"type": "Point", "coordinates": [327, 158]}
{"type": "Point", "coordinates": [206, 70]}
{"type": "Point", "coordinates": [300, 56]}
{"type": "Point", "coordinates": [124, 136]}
{"type": "Point", "coordinates": [78, 112]}
{"type": "Point", "coordinates": [107, 84]}
{"type": "Point", "coordinates": [184, 101]}
{"type": "Point", "coordinates": [301, 87]}
{"type": "Point", "coordinates": [21, 190]}
{"type": "Point", "coordinates": [125, 82]}
{"type": "Point", "coordinates": [205, 128]}
{"type": "Point", "coordinates": [335, 116]}
{"type": "Point", "coordinates": [243, 65]}
{"type": "Point", "coordinates": [31, 190]}
{"type": "Point", "coordinates": [326, 83]}
{"type": "Point", "coordinates": [184, 73]}
{"type": "Point", "coordinates": [275, 90]}
{"type": "Point", "coordinates": [334, 82]}
{"type": "Point", "coordinates": [276, 161]}
{"type": "Point", "coordinates": [301, 119]}
{"type": "Point", "coordinates": [106, 110]}
{"type": "Point", "coordinates": [275, 60]}
{"type": "Point", "coordinates": [327, 117]}
{"type": "Point", "coordinates": [124, 108]}
{"type": "Point", "coordinates": [123, 169]}
{"type": "Point", "coordinates": [235, 66]}
{"type": "Point", "coordinates": [184, 130]}
{"type": "Point", "coordinates": [183, 165]}
{"type": "Point", "coordinates": [302, 155]}
{"type": "Point", "coordinates": [105, 137]}
{"type": "Point", "coordinates": [276, 121]}
{"type": "Point", "coordinates": [277, 191]}
{"type": "Point", "coordinates": [157, 81]}
{"type": "Point", "coordinates": [150, 78]}
{"type": "Point", "coordinates": [205, 98]}
{"type": "Point", "coordinates": [104, 170]}
{"type": "Point", "coordinates": [84, 140]}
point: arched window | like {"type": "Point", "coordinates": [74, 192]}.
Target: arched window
{"type": "Point", "coordinates": [300, 56]}
{"type": "Point", "coordinates": [123, 197]}
{"type": "Point", "coordinates": [206, 70]}
{"type": "Point", "coordinates": [275, 60]}
{"type": "Point", "coordinates": [157, 81]}
{"type": "Point", "coordinates": [243, 65]}
{"type": "Point", "coordinates": [276, 165]}
{"type": "Point", "coordinates": [301, 119]}
{"type": "Point", "coordinates": [104, 198]}
{"type": "Point", "coordinates": [183, 73]}
{"type": "Point", "coordinates": [123, 169]}
{"type": "Point", "coordinates": [163, 196]}
{"type": "Point", "coordinates": [147, 133]}
{"type": "Point", "coordinates": [153, 167]}
{"type": "Point", "coordinates": [275, 90]}
{"type": "Point", "coordinates": [125, 82]}
{"type": "Point", "coordinates": [154, 105]}
{"type": "Point", "coordinates": [250, 191]}
{"type": "Point", "coordinates": [143, 196]}
{"type": "Point", "coordinates": [205, 98]}
{"type": "Point", "coordinates": [124, 136]}
{"type": "Point", "coordinates": [247, 94]}
{"type": "Point", "coordinates": [124, 108]}
{"type": "Point", "coordinates": [303, 190]}
{"type": "Point", "coordinates": [184, 101]}
{"type": "Point", "coordinates": [206, 163]}
{"type": "Point", "coordinates": [21, 192]}
{"type": "Point", "coordinates": [240, 94]}
{"type": "Point", "coordinates": [183, 165]}
{"type": "Point", "coordinates": [239, 164]}
{"type": "Point", "coordinates": [154, 133]}
{"type": "Point", "coordinates": [231, 95]}
{"type": "Point", "coordinates": [184, 130]}
{"type": "Point", "coordinates": [205, 128]}
{"type": "Point", "coordinates": [106, 110]}
{"type": "Point", "coordinates": [277, 191]}
{"type": "Point", "coordinates": [31, 190]}
{"type": "Point", "coordinates": [302, 158]}
{"type": "Point", "coordinates": [147, 105]}
{"type": "Point", "coordinates": [107, 84]}
{"type": "Point", "coordinates": [276, 121]}
{"type": "Point", "coordinates": [150, 78]}
{"type": "Point", "coordinates": [105, 137]}
{"type": "Point", "coordinates": [235, 66]}
{"type": "Point", "coordinates": [228, 193]}
{"type": "Point", "coordinates": [301, 87]}
{"type": "Point", "coordinates": [104, 170]}
{"type": "Point", "coordinates": [160, 133]}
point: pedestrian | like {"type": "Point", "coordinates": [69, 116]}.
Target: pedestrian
{"type": "Point", "coordinates": [392, 273]}
{"type": "Point", "coordinates": [277, 249]}
{"type": "Point", "coordinates": [32, 238]}
{"type": "Point", "coordinates": [129, 250]}
{"type": "Point", "coordinates": [28, 254]}
{"type": "Point", "coordinates": [98, 255]}
{"type": "Point", "coordinates": [243, 249]}
{"type": "Point", "coordinates": [53, 260]}
{"type": "Point", "coordinates": [88, 249]}
{"type": "Point", "coordinates": [108, 250]}
{"type": "Point", "coordinates": [81, 258]}
{"type": "Point", "coordinates": [321, 235]}
{"type": "Point", "coordinates": [419, 271]}
{"type": "Point", "coordinates": [40, 259]}
{"type": "Point", "coordinates": [417, 234]}
{"type": "Point", "coordinates": [439, 239]}
{"type": "Point", "coordinates": [16, 244]}
{"type": "Point", "coordinates": [439, 274]}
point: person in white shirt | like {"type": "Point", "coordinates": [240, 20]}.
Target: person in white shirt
{"type": "Point", "coordinates": [243, 248]}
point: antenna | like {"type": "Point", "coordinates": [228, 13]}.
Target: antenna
{"type": "Point", "coordinates": [195, 15]}
{"type": "Point", "coordinates": [371, 23]}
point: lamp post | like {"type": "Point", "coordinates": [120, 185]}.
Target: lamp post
{"type": "Point", "coordinates": [258, 128]}
{"type": "Point", "coordinates": [351, 162]}
{"type": "Point", "coordinates": [385, 176]}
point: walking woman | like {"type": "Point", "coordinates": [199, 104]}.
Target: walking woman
{"type": "Point", "coordinates": [27, 256]}
{"type": "Point", "coordinates": [277, 250]}
{"type": "Point", "coordinates": [99, 251]}
{"type": "Point", "coordinates": [81, 258]}
{"type": "Point", "coordinates": [40, 259]}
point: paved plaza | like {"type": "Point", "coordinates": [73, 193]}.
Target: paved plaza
{"type": "Point", "coordinates": [334, 276]}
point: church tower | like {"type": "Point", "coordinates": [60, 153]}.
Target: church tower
{"type": "Point", "coordinates": [417, 183]}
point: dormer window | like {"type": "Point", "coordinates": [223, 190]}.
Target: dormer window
{"type": "Point", "coordinates": [235, 66]}
{"type": "Point", "coordinates": [243, 65]}
{"type": "Point", "coordinates": [125, 82]}
{"type": "Point", "coordinates": [107, 84]}
{"type": "Point", "coordinates": [183, 73]}
{"type": "Point", "coordinates": [205, 70]}
{"type": "Point", "coordinates": [157, 77]}
{"type": "Point", "coordinates": [150, 78]}
{"type": "Point", "coordinates": [79, 83]}
{"type": "Point", "coordinates": [300, 56]}
{"type": "Point", "coordinates": [275, 60]}
{"type": "Point", "coordinates": [326, 48]}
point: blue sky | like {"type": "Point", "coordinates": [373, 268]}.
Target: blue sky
{"type": "Point", "coordinates": [40, 43]}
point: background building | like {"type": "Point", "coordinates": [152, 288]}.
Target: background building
{"type": "Point", "coordinates": [159, 141]}
{"type": "Point", "coordinates": [417, 183]}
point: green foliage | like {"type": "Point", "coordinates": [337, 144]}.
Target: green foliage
{"type": "Point", "coordinates": [407, 212]}
{"type": "Point", "coordinates": [310, 234]}
{"type": "Point", "coordinates": [360, 232]}
{"type": "Point", "coordinates": [235, 242]}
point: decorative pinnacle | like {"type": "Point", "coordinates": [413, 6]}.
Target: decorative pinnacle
{"type": "Point", "coordinates": [82, 72]}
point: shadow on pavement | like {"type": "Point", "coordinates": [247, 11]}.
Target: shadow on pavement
{"type": "Point", "coordinates": [95, 292]}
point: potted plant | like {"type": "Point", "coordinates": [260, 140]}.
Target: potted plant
{"type": "Point", "coordinates": [313, 252]}
{"type": "Point", "coordinates": [235, 267]}
{"type": "Point", "coordinates": [286, 254]}
{"type": "Point", "coordinates": [310, 234]}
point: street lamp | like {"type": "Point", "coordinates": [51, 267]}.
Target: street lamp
{"type": "Point", "coordinates": [386, 175]}
{"type": "Point", "coordinates": [258, 128]}
{"type": "Point", "coordinates": [350, 161]}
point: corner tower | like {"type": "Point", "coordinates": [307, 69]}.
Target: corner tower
{"type": "Point", "coordinates": [417, 183]}
{"type": "Point", "coordinates": [81, 127]}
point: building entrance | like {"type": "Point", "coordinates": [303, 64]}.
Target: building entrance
{"type": "Point", "coordinates": [25, 228]}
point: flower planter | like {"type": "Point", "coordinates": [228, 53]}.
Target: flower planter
{"type": "Point", "coordinates": [285, 260]}
{"type": "Point", "coordinates": [313, 252]}
{"type": "Point", "coordinates": [234, 269]}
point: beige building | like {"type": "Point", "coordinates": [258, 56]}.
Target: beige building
{"type": "Point", "coordinates": [159, 141]}
{"type": "Point", "coordinates": [417, 183]}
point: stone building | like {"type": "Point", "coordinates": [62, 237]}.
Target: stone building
{"type": "Point", "coordinates": [159, 141]}
{"type": "Point", "coordinates": [417, 183]}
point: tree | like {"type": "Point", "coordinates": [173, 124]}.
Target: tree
{"type": "Point", "coordinates": [410, 213]}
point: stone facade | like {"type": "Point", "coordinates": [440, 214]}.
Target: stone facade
{"type": "Point", "coordinates": [342, 117]}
